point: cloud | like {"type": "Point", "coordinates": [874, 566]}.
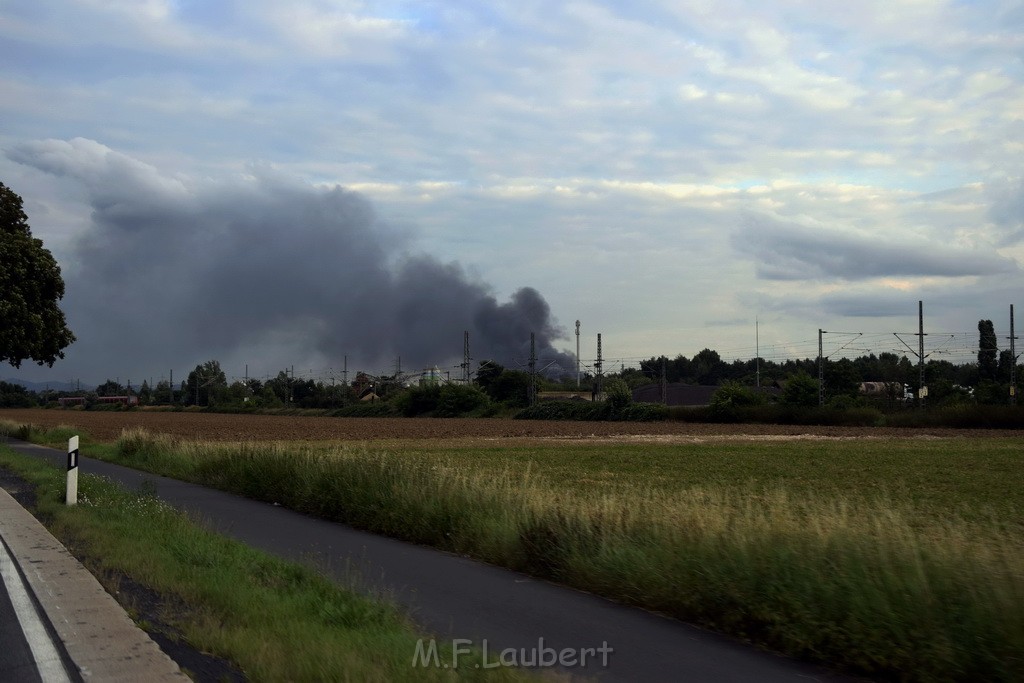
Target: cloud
{"type": "Point", "coordinates": [173, 271]}
{"type": "Point", "coordinates": [1007, 211]}
{"type": "Point", "coordinates": [797, 252]}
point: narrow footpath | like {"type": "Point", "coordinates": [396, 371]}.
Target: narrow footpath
{"type": "Point", "coordinates": [453, 597]}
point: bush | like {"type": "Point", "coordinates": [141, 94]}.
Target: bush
{"type": "Point", "coordinates": [586, 411]}
{"type": "Point", "coordinates": [417, 400]}
{"type": "Point", "coordinates": [731, 398]}
{"type": "Point", "coordinates": [455, 400]}
{"type": "Point", "coordinates": [801, 390]}
{"type": "Point", "coordinates": [644, 412]}
{"type": "Point", "coordinates": [564, 410]}
{"type": "Point", "coordinates": [846, 402]}
{"type": "Point", "coordinates": [617, 394]}
{"type": "Point", "coordinates": [367, 409]}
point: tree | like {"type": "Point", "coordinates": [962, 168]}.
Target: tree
{"type": "Point", "coordinates": [801, 390]}
{"type": "Point", "coordinates": [708, 367]}
{"type": "Point", "coordinates": [32, 326]}
{"type": "Point", "coordinates": [110, 388]}
{"type": "Point", "coordinates": [731, 396]}
{"type": "Point", "coordinates": [488, 373]}
{"type": "Point", "coordinates": [988, 351]}
{"type": "Point", "coordinates": [617, 394]}
{"type": "Point", "coordinates": [202, 381]}
{"type": "Point", "coordinates": [841, 378]}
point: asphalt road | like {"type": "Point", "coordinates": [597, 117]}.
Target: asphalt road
{"type": "Point", "coordinates": [476, 604]}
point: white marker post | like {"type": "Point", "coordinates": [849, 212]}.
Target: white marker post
{"type": "Point", "coordinates": [72, 488]}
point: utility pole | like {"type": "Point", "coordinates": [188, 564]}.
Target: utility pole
{"type": "Point", "coordinates": [533, 369]}
{"type": "Point", "coordinates": [597, 369]}
{"type": "Point", "coordinates": [577, 355]}
{"type": "Point", "coordinates": [821, 370]}
{"type": "Point", "coordinates": [344, 371]}
{"type": "Point", "coordinates": [923, 391]}
{"type": "Point", "coordinates": [465, 357]}
{"type": "Point", "coordinates": [757, 353]}
{"type": "Point", "coordinates": [170, 388]}
{"type": "Point", "coordinates": [1013, 362]}
{"type": "Point", "coordinates": [664, 381]}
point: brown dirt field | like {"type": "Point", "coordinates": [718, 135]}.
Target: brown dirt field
{"type": "Point", "coordinates": [106, 426]}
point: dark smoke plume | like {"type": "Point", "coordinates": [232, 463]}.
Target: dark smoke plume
{"type": "Point", "coordinates": [173, 272]}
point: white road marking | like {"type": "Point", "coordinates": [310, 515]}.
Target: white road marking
{"type": "Point", "coordinates": [48, 660]}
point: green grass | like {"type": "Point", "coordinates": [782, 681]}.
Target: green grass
{"type": "Point", "coordinates": [902, 558]}
{"type": "Point", "coordinates": [277, 621]}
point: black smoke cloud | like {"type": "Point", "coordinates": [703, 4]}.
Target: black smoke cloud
{"type": "Point", "coordinates": [265, 270]}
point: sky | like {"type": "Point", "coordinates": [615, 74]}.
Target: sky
{"type": "Point", "coordinates": [322, 185]}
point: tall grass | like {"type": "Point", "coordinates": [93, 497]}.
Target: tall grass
{"type": "Point", "coordinates": [859, 582]}
{"type": "Point", "coordinates": [37, 433]}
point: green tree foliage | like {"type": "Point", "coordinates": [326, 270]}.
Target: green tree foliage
{"type": "Point", "coordinates": [708, 367]}
{"type": "Point", "coordinates": [110, 388]}
{"type": "Point", "coordinates": [841, 379]}
{"type": "Point", "coordinates": [418, 400]}
{"type": "Point", "coordinates": [15, 396]}
{"type": "Point", "coordinates": [449, 400]}
{"type": "Point", "coordinates": [1006, 361]}
{"type": "Point", "coordinates": [280, 387]}
{"type": "Point", "coordinates": [203, 382]}
{"type": "Point", "coordinates": [502, 385]}
{"type": "Point", "coordinates": [455, 400]}
{"type": "Point", "coordinates": [617, 394]}
{"type": "Point", "coordinates": [32, 326]}
{"type": "Point", "coordinates": [488, 373]}
{"type": "Point", "coordinates": [801, 390]}
{"type": "Point", "coordinates": [164, 393]}
{"type": "Point", "coordinates": [988, 351]}
{"type": "Point", "coordinates": [732, 396]}
{"type": "Point", "coordinates": [145, 393]}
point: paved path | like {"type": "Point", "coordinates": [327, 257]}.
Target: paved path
{"type": "Point", "coordinates": [457, 598]}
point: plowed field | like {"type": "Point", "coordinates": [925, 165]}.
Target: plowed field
{"type": "Point", "coordinates": [106, 426]}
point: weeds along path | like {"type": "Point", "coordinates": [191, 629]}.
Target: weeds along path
{"type": "Point", "coordinates": [107, 426]}
{"type": "Point", "coordinates": [456, 598]}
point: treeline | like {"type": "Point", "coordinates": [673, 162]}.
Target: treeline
{"type": "Point", "coordinates": [495, 389]}
{"type": "Point", "coordinates": [985, 382]}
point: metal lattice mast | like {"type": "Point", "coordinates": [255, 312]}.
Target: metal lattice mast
{"type": "Point", "coordinates": [577, 355]}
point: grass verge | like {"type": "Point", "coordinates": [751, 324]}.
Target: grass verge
{"type": "Point", "coordinates": [277, 621]}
